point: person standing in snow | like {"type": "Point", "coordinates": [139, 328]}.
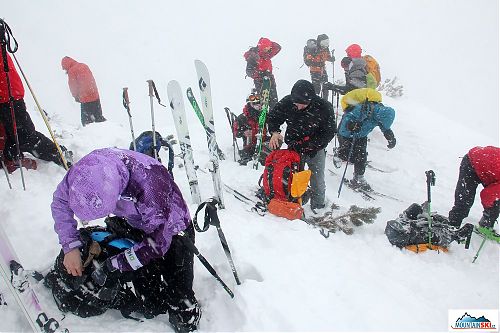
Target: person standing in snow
{"type": "Point", "coordinates": [139, 189]}
{"type": "Point", "coordinates": [354, 66]}
{"type": "Point", "coordinates": [30, 140]}
{"type": "Point", "coordinates": [316, 54]}
{"type": "Point", "coordinates": [354, 128]}
{"type": "Point", "coordinates": [310, 127]}
{"type": "Point", "coordinates": [259, 64]}
{"type": "Point", "coordinates": [481, 165]}
{"type": "Point", "coordinates": [84, 89]}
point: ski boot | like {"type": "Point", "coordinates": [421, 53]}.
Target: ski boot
{"type": "Point", "coordinates": [185, 316]}
{"type": "Point", "coordinates": [359, 181]}
{"type": "Point", "coordinates": [463, 235]}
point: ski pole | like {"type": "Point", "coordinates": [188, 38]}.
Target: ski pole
{"type": "Point", "coordinates": [480, 248]}
{"type": "Point", "coordinates": [231, 124]}
{"type": "Point", "coordinates": [5, 35]}
{"type": "Point", "coordinates": [153, 93]}
{"type": "Point", "coordinates": [347, 163]}
{"type": "Point", "coordinates": [211, 218]}
{"type": "Point", "coordinates": [5, 170]}
{"type": "Point", "coordinates": [431, 181]}
{"type": "Point", "coordinates": [189, 243]}
{"type": "Point", "coordinates": [126, 104]}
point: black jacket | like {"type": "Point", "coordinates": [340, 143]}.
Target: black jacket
{"type": "Point", "coordinates": [308, 130]}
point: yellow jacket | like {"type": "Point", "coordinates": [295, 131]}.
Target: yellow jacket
{"type": "Point", "coordinates": [360, 95]}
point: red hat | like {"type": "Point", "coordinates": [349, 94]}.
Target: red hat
{"type": "Point", "coordinates": [354, 51]}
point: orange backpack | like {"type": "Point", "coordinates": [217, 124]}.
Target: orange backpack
{"type": "Point", "coordinates": [372, 67]}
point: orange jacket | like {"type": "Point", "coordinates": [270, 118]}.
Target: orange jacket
{"type": "Point", "coordinates": [80, 80]}
{"type": "Point", "coordinates": [16, 85]}
{"type": "Point", "coordinates": [316, 61]}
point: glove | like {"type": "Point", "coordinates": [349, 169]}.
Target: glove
{"type": "Point", "coordinates": [354, 126]}
{"type": "Point", "coordinates": [104, 273]}
{"type": "Point", "coordinates": [328, 85]}
{"type": "Point", "coordinates": [391, 139]}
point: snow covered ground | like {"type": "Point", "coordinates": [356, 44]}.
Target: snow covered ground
{"type": "Point", "coordinates": [292, 278]}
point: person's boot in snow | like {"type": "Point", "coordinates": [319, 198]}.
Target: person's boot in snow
{"type": "Point", "coordinates": [359, 181]}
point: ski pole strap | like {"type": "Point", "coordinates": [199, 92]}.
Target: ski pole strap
{"type": "Point", "coordinates": [190, 245]}
{"type": "Point", "coordinates": [6, 36]}
{"type": "Point", "coordinates": [211, 217]}
{"type": "Point", "coordinates": [153, 87]}
{"type": "Point", "coordinates": [126, 102]}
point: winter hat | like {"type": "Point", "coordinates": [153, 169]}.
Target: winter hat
{"type": "Point", "coordinates": [263, 43]}
{"type": "Point", "coordinates": [323, 41]}
{"type": "Point", "coordinates": [67, 62]}
{"type": "Point", "coordinates": [353, 51]}
{"type": "Point", "coordinates": [345, 62]}
{"type": "Point", "coordinates": [95, 184]}
{"type": "Point", "coordinates": [302, 92]}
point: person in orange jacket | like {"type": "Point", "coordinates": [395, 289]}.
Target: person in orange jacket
{"type": "Point", "coordinates": [30, 140]}
{"type": "Point", "coordinates": [481, 165]}
{"type": "Point", "coordinates": [84, 89]}
{"type": "Point", "coordinates": [259, 64]}
{"type": "Point", "coordinates": [316, 54]}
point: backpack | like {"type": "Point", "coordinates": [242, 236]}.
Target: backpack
{"type": "Point", "coordinates": [373, 71]}
{"type": "Point", "coordinates": [310, 51]}
{"type": "Point", "coordinates": [251, 57]}
{"type": "Point", "coordinates": [411, 230]}
{"type": "Point", "coordinates": [144, 144]}
{"type": "Point", "coordinates": [284, 184]}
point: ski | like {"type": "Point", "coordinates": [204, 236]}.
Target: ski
{"type": "Point", "coordinates": [207, 120]}
{"type": "Point", "coordinates": [264, 96]}
{"type": "Point", "coordinates": [176, 102]}
{"type": "Point", "coordinates": [487, 233]}
{"type": "Point", "coordinates": [18, 282]}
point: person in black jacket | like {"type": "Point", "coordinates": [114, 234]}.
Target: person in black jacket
{"type": "Point", "coordinates": [310, 127]}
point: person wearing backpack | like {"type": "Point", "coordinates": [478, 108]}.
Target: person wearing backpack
{"type": "Point", "coordinates": [316, 54]}
{"type": "Point", "coordinates": [481, 165]}
{"type": "Point", "coordinates": [259, 64]}
{"type": "Point", "coordinates": [360, 71]}
{"type": "Point", "coordinates": [246, 127]}
{"type": "Point", "coordinates": [84, 90]}
{"type": "Point", "coordinates": [139, 189]}
{"type": "Point", "coordinates": [353, 131]}
{"type": "Point", "coordinates": [30, 140]}
{"type": "Point", "coordinates": [310, 127]}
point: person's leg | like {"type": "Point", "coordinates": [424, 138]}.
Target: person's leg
{"type": "Point", "coordinates": [465, 192]}
{"type": "Point", "coordinates": [318, 187]}
{"type": "Point", "coordinates": [359, 156]}
{"type": "Point", "coordinates": [273, 95]}
{"type": "Point", "coordinates": [95, 110]}
{"type": "Point", "coordinates": [316, 81]}
{"type": "Point", "coordinates": [86, 114]}
{"type": "Point", "coordinates": [324, 92]}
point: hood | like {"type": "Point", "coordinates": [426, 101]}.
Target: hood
{"type": "Point", "coordinates": [323, 38]}
{"type": "Point", "coordinates": [263, 43]}
{"type": "Point", "coordinates": [67, 63]}
{"type": "Point", "coordinates": [353, 51]}
{"type": "Point", "coordinates": [95, 184]}
{"type": "Point", "coordinates": [302, 92]}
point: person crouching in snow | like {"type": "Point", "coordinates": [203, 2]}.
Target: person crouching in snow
{"type": "Point", "coordinates": [137, 188]}
{"type": "Point", "coordinates": [481, 165]}
{"type": "Point", "coordinates": [354, 128]}
{"type": "Point", "coordinates": [310, 127]}
{"type": "Point", "coordinates": [84, 89]}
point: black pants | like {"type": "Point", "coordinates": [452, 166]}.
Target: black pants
{"type": "Point", "coordinates": [169, 291]}
{"type": "Point", "coordinates": [92, 112]}
{"type": "Point", "coordinates": [317, 80]}
{"type": "Point", "coordinates": [30, 140]}
{"type": "Point", "coordinates": [273, 94]}
{"type": "Point", "coordinates": [465, 192]}
{"type": "Point", "coordinates": [359, 154]}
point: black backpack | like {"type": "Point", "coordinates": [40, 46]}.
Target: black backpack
{"type": "Point", "coordinates": [253, 56]}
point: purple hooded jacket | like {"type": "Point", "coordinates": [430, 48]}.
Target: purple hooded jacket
{"type": "Point", "coordinates": [129, 185]}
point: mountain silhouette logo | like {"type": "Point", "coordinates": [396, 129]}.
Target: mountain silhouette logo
{"type": "Point", "coordinates": [466, 321]}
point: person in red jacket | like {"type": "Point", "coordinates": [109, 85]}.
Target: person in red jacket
{"type": "Point", "coordinates": [246, 127]}
{"type": "Point", "coordinates": [30, 140]}
{"type": "Point", "coordinates": [84, 89]}
{"type": "Point", "coordinates": [259, 65]}
{"type": "Point", "coordinates": [481, 165]}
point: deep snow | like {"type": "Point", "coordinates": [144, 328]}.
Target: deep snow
{"type": "Point", "coordinates": [293, 279]}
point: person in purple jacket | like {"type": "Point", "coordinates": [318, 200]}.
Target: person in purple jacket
{"type": "Point", "coordinates": [139, 189]}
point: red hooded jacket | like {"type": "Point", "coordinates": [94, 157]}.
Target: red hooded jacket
{"type": "Point", "coordinates": [263, 57]}
{"type": "Point", "coordinates": [486, 163]}
{"type": "Point", "coordinates": [80, 80]}
{"type": "Point", "coordinates": [16, 85]}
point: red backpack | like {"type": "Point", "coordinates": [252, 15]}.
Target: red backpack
{"type": "Point", "coordinates": [278, 171]}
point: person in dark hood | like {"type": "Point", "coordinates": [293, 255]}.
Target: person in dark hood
{"type": "Point", "coordinates": [310, 127]}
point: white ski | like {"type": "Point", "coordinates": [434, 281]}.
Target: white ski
{"type": "Point", "coordinates": [175, 99]}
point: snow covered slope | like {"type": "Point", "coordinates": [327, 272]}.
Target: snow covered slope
{"type": "Point", "coordinates": [292, 278]}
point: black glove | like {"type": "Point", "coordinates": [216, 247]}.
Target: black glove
{"type": "Point", "coordinates": [104, 273]}
{"type": "Point", "coordinates": [391, 139]}
{"type": "Point", "coordinates": [328, 85]}
{"type": "Point", "coordinates": [354, 126]}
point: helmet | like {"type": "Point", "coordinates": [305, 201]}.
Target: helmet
{"type": "Point", "coordinates": [354, 51]}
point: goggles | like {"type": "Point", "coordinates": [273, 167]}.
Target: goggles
{"type": "Point", "coordinates": [253, 99]}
